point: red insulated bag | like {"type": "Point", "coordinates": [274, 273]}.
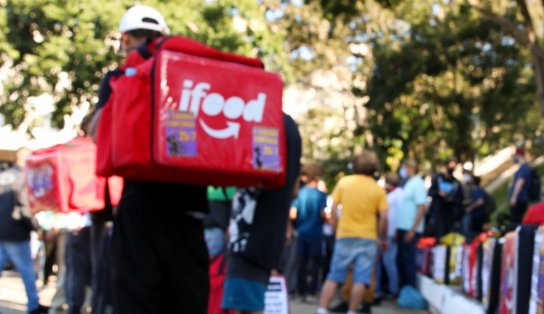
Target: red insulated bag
{"type": "Point", "coordinates": [62, 178]}
{"type": "Point", "coordinates": [192, 114]}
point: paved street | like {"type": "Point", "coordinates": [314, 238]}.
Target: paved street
{"type": "Point", "coordinates": [13, 299]}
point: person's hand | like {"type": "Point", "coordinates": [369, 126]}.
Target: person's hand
{"type": "Point", "coordinates": [442, 194]}
{"type": "Point", "coordinates": [409, 236]}
{"type": "Point", "coordinates": [289, 235]}
{"type": "Point", "coordinates": [382, 245]}
{"type": "Point", "coordinates": [513, 202]}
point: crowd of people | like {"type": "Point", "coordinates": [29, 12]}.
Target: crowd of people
{"type": "Point", "coordinates": [151, 253]}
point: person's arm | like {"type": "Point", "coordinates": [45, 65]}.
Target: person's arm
{"type": "Point", "coordinates": [104, 93]}
{"type": "Point", "coordinates": [22, 211]}
{"type": "Point", "coordinates": [421, 209]}
{"type": "Point", "coordinates": [433, 190]}
{"type": "Point", "coordinates": [420, 197]}
{"type": "Point", "coordinates": [382, 229]}
{"type": "Point", "coordinates": [479, 202]}
{"type": "Point", "coordinates": [323, 205]}
{"type": "Point", "coordinates": [293, 213]}
{"type": "Point", "coordinates": [93, 125]}
{"type": "Point", "coordinates": [290, 232]}
{"type": "Point", "coordinates": [334, 216]}
{"type": "Point", "coordinates": [518, 186]}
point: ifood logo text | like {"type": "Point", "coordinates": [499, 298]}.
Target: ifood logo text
{"type": "Point", "coordinates": [196, 97]}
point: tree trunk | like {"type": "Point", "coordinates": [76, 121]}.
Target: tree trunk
{"type": "Point", "coordinates": [538, 68]}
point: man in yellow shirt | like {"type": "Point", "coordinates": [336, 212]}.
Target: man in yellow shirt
{"type": "Point", "coordinates": [361, 225]}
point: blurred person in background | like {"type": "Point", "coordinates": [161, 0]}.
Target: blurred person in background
{"type": "Point", "coordinates": [309, 210]}
{"type": "Point", "coordinates": [16, 224]}
{"type": "Point", "coordinates": [360, 230]}
{"type": "Point", "coordinates": [518, 194]}
{"type": "Point", "coordinates": [447, 200]}
{"type": "Point", "coordinates": [388, 258]}
{"type": "Point", "coordinates": [476, 215]}
{"type": "Point", "coordinates": [410, 214]}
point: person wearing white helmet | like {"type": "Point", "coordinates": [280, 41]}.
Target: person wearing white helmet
{"type": "Point", "coordinates": [140, 23]}
{"type": "Point", "coordinates": [160, 260]}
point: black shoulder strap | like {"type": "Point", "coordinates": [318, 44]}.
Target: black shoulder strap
{"type": "Point", "coordinates": [143, 50]}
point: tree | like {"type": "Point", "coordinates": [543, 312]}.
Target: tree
{"type": "Point", "coordinates": [63, 48]}
{"type": "Point", "coordinates": [447, 89]}
{"type": "Point", "coordinates": [523, 21]}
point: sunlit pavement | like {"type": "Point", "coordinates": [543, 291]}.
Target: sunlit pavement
{"type": "Point", "coordinates": [13, 299]}
{"type": "Point", "coordinates": [384, 308]}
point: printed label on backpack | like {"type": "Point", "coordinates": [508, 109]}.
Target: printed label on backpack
{"type": "Point", "coordinates": [180, 129]}
{"type": "Point", "coordinates": [201, 97]}
{"type": "Point", "coordinates": [40, 180]}
{"type": "Point", "coordinates": [266, 153]}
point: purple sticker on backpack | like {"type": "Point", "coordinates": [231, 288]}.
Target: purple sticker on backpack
{"type": "Point", "coordinates": [266, 152]}
{"type": "Point", "coordinates": [180, 131]}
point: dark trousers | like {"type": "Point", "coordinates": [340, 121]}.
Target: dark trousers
{"type": "Point", "coordinates": [406, 259]}
{"type": "Point", "coordinates": [517, 212]}
{"type": "Point", "coordinates": [289, 265]}
{"type": "Point", "coordinates": [102, 283]}
{"type": "Point", "coordinates": [444, 221]}
{"type": "Point", "coordinates": [50, 240]}
{"type": "Point", "coordinates": [78, 268]}
{"type": "Point", "coordinates": [329, 248]}
{"type": "Point", "coordinates": [310, 260]}
{"type": "Point", "coordinates": [160, 261]}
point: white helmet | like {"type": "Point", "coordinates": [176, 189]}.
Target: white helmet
{"type": "Point", "coordinates": [143, 17]}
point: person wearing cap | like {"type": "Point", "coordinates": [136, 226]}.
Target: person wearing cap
{"type": "Point", "coordinates": [518, 194]}
{"type": "Point", "coordinates": [410, 214]}
{"type": "Point", "coordinates": [160, 259]}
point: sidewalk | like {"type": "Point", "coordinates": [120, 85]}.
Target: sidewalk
{"type": "Point", "coordinates": [13, 299]}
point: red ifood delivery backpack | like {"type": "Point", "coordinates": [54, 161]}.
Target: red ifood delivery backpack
{"type": "Point", "coordinates": [184, 112]}
{"type": "Point", "coordinates": [62, 178]}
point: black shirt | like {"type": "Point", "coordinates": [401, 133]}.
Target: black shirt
{"type": "Point", "coordinates": [265, 238]}
{"type": "Point", "coordinates": [164, 196]}
{"type": "Point", "coordinates": [15, 217]}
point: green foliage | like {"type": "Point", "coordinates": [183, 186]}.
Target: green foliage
{"type": "Point", "coordinates": [49, 39]}
{"type": "Point", "coordinates": [424, 79]}
{"type": "Point", "coordinates": [456, 85]}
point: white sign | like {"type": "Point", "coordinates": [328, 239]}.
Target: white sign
{"type": "Point", "coordinates": [276, 300]}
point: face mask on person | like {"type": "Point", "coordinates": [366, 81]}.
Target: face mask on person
{"type": "Point", "coordinates": [450, 171]}
{"type": "Point", "coordinates": [403, 173]}
{"type": "Point", "coordinates": [467, 178]}
{"type": "Point", "coordinates": [515, 159]}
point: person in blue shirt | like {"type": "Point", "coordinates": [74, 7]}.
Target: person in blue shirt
{"type": "Point", "coordinates": [519, 191]}
{"type": "Point", "coordinates": [309, 206]}
{"type": "Point", "coordinates": [412, 209]}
